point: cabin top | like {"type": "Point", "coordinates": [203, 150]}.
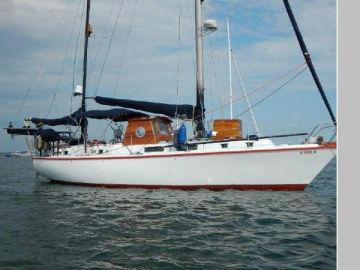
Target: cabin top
{"type": "Point", "coordinates": [152, 130]}
{"type": "Point", "coordinates": [146, 130]}
{"type": "Point", "coordinates": [227, 129]}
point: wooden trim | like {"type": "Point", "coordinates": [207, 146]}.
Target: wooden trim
{"type": "Point", "coordinates": [320, 147]}
{"type": "Point", "coordinates": [150, 137]}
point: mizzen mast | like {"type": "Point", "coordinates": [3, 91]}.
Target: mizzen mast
{"type": "Point", "coordinates": [230, 71]}
{"type": "Point", "coordinates": [199, 116]}
{"type": "Point", "coordinates": [88, 32]}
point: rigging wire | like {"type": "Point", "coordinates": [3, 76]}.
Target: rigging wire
{"type": "Point", "coordinates": [108, 124]}
{"type": "Point", "coordinates": [211, 87]}
{"type": "Point", "coordinates": [109, 45]}
{"type": "Point", "coordinates": [273, 92]}
{"type": "Point", "coordinates": [264, 86]}
{"type": "Point", "coordinates": [247, 101]}
{"type": "Point", "coordinates": [212, 58]}
{"type": "Point", "coordinates": [69, 127]}
{"type": "Point", "coordinates": [77, 45]}
{"type": "Point", "coordinates": [75, 60]}
{"type": "Point", "coordinates": [99, 45]}
{"type": "Point", "coordinates": [193, 53]}
{"type": "Point", "coordinates": [42, 62]}
{"type": "Point", "coordinates": [215, 74]}
{"type": "Point", "coordinates": [63, 63]}
{"type": "Point", "coordinates": [125, 48]}
{"type": "Point", "coordinates": [178, 59]}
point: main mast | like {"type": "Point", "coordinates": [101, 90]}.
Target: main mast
{"type": "Point", "coordinates": [199, 116]}
{"type": "Point", "coordinates": [88, 31]}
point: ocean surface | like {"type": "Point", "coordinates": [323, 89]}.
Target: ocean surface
{"type": "Point", "coordinates": [49, 226]}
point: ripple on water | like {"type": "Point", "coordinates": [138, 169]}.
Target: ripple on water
{"type": "Point", "coordinates": [52, 226]}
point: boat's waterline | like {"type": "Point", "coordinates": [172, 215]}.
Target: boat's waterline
{"type": "Point", "coordinates": [277, 168]}
{"type": "Point", "coordinates": [292, 187]}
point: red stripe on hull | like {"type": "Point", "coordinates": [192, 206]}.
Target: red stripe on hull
{"type": "Point", "coordinates": [186, 154]}
{"type": "Point", "coordinates": [289, 187]}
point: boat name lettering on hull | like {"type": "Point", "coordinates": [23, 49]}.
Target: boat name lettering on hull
{"type": "Point", "coordinates": [308, 152]}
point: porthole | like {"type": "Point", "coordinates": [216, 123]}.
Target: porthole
{"type": "Point", "coordinates": [140, 132]}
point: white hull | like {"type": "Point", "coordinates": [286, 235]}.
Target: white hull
{"type": "Point", "coordinates": [277, 167]}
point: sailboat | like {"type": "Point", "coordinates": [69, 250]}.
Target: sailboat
{"type": "Point", "coordinates": [153, 153]}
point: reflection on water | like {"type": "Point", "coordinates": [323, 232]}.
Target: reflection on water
{"type": "Point", "coordinates": [71, 227]}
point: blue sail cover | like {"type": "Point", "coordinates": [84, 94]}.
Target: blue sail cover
{"type": "Point", "coordinates": [75, 119]}
{"type": "Point", "coordinates": [116, 115]}
{"type": "Point", "coordinates": [50, 135]}
{"type": "Point", "coordinates": [170, 110]}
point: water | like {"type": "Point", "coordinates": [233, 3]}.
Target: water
{"type": "Point", "coordinates": [48, 226]}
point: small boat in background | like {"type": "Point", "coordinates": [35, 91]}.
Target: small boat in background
{"type": "Point", "coordinates": [18, 154]}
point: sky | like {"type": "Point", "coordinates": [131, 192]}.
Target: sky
{"type": "Point", "coordinates": [149, 50]}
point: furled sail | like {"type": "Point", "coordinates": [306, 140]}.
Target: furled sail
{"type": "Point", "coordinates": [50, 135]}
{"type": "Point", "coordinates": [74, 119]}
{"type": "Point", "coordinates": [116, 115]}
{"type": "Point", "coordinates": [170, 110]}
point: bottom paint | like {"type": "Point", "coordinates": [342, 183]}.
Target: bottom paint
{"type": "Point", "coordinates": [290, 187]}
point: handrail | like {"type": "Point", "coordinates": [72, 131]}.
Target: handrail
{"type": "Point", "coordinates": [320, 127]}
